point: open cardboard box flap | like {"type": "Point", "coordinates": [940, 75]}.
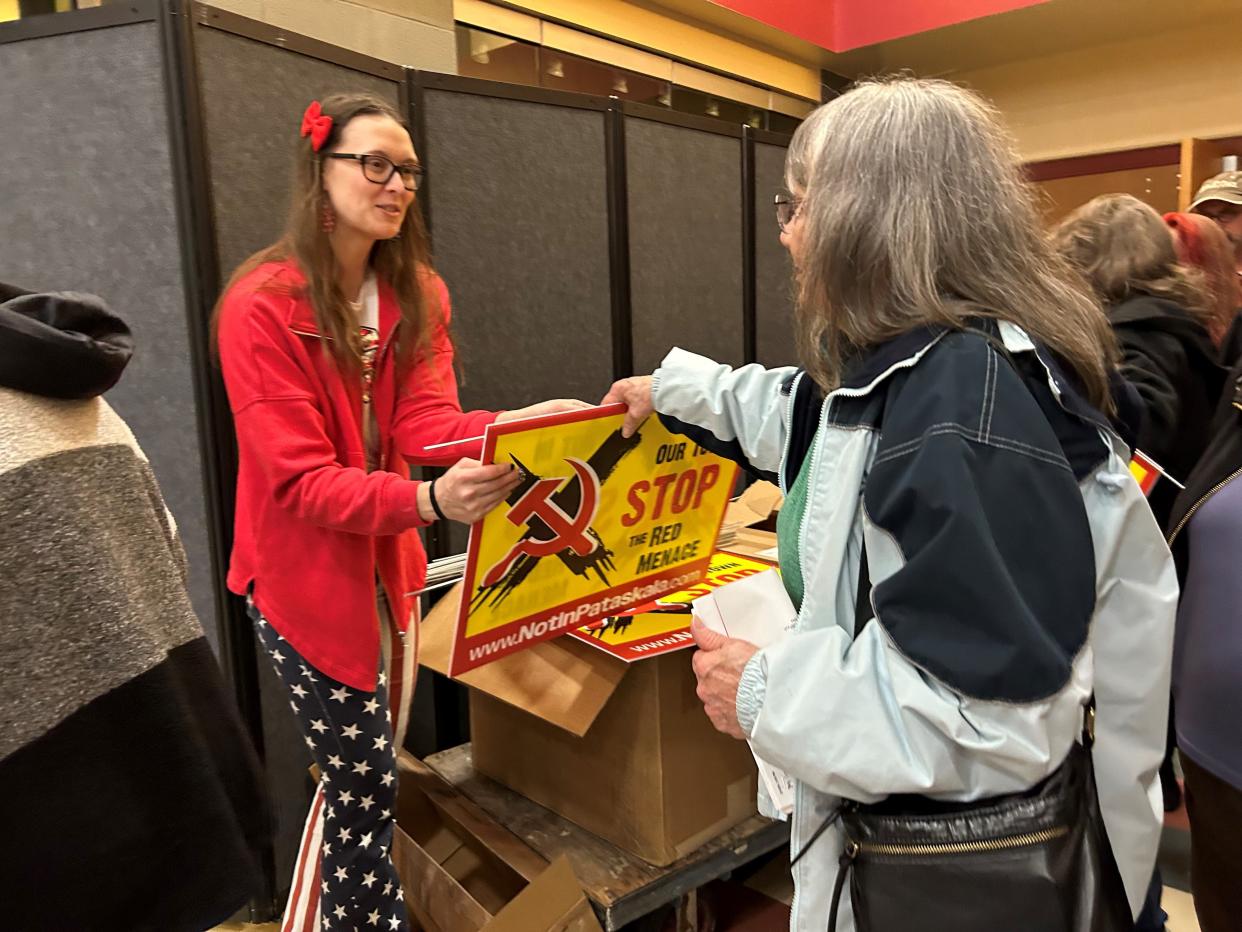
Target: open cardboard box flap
{"type": "Point", "coordinates": [465, 873]}
{"type": "Point", "coordinates": [561, 681]}
{"type": "Point", "coordinates": [754, 505]}
{"type": "Point", "coordinates": [564, 681]}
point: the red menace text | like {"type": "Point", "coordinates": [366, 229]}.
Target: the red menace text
{"type": "Point", "coordinates": [665, 498]}
{"type": "Point", "coordinates": [577, 615]}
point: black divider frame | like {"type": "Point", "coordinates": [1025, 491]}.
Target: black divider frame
{"type": "Point", "coordinates": [763, 225]}
{"type": "Point", "coordinates": [749, 326]}
{"type": "Point", "coordinates": [750, 230]}
{"type": "Point", "coordinates": [619, 242]}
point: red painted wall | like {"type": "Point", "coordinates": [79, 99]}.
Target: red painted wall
{"type": "Point", "coordinates": [841, 25]}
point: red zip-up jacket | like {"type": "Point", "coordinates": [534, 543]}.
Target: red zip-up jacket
{"type": "Point", "coordinates": [312, 525]}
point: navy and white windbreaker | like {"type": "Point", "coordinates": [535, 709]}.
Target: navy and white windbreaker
{"type": "Point", "coordinates": [1015, 568]}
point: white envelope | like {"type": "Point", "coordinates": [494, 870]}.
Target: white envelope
{"type": "Point", "coordinates": [755, 609]}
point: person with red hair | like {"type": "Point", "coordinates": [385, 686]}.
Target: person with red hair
{"type": "Point", "coordinates": [1203, 245]}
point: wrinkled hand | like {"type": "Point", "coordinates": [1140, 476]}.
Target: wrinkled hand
{"type": "Point", "coordinates": [555, 406]}
{"type": "Point", "coordinates": [718, 664]}
{"type": "Point", "coordinates": [469, 490]}
{"type": "Point", "coordinates": [635, 393]}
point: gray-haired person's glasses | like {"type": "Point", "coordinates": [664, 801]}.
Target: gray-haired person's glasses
{"type": "Point", "coordinates": [379, 169]}
{"type": "Point", "coordinates": [787, 207]}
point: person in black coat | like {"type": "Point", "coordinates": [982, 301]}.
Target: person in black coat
{"type": "Point", "coordinates": [1207, 662]}
{"type": "Point", "coordinates": [1159, 310]}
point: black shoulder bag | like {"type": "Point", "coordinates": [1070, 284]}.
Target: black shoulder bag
{"type": "Point", "coordinates": [1037, 861]}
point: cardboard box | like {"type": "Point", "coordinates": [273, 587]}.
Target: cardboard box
{"type": "Point", "coordinates": [463, 873]}
{"type": "Point", "coordinates": [625, 751]}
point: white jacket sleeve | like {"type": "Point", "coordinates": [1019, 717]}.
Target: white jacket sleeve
{"type": "Point", "coordinates": [739, 413]}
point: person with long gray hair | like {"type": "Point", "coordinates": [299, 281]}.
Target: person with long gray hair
{"type": "Point", "coordinates": [970, 558]}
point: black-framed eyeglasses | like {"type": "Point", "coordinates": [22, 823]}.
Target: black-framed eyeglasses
{"type": "Point", "coordinates": [787, 207]}
{"type": "Point", "coordinates": [379, 169]}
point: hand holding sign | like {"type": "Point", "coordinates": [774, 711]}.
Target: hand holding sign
{"type": "Point", "coordinates": [469, 490]}
{"type": "Point", "coordinates": [555, 406]}
{"type": "Point", "coordinates": [635, 394]}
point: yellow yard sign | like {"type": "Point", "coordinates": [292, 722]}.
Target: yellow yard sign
{"type": "Point", "coordinates": [663, 626]}
{"type": "Point", "coordinates": [599, 524]}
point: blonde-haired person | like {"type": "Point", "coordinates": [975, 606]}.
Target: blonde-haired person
{"type": "Point", "coordinates": [339, 371]}
{"type": "Point", "coordinates": [949, 427]}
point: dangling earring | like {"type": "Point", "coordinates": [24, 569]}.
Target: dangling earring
{"type": "Point", "coordinates": [329, 217]}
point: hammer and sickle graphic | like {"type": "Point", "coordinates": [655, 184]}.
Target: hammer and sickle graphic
{"type": "Point", "coordinates": [568, 532]}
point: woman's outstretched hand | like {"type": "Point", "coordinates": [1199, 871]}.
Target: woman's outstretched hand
{"type": "Point", "coordinates": [635, 393]}
{"type": "Point", "coordinates": [555, 406]}
{"type": "Point", "coordinates": [469, 490]}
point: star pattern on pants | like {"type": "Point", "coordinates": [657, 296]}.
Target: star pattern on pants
{"type": "Point", "coordinates": [359, 888]}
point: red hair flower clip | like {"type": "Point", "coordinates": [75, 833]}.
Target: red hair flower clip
{"type": "Point", "coordinates": [316, 125]}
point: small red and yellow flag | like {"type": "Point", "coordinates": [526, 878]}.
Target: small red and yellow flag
{"type": "Point", "coordinates": [1147, 472]}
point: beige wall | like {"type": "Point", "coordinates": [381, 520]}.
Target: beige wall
{"type": "Point", "coordinates": [671, 35]}
{"type": "Point", "coordinates": [405, 32]}
{"type": "Point", "coordinates": [1140, 92]}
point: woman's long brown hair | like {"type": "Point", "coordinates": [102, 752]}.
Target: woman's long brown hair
{"type": "Point", "coordinates": [401, 262]}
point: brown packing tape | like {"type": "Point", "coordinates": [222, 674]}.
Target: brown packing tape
{"type": "Point", "coordinates": [562, 681]}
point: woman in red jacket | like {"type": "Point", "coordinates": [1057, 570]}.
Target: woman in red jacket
{"type": "Point", "coordinates": [339, 371]}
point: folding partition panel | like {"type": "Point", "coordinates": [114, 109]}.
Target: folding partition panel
{"type": "Point", "coordinates": [684, 199]}
{"type": "Point", "coordinates": [93, 198]}
{"type": "Point", "coordinates": [517, 203]}
{"type": "Point", "coordinates": [774, 335]}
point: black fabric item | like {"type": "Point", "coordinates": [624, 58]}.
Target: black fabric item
{"type": "Point", "coordinates": [1169, 358]}
{"type": "Point", "coordinates": [61, 344]}
{"type": "Point", "coordinates": [1231, 345]}
{"type": "Point", "coordinates": [134, 813]}
{"type": "Point", "coordinates": [997, 588]}
{"type": "Point", "coordinates": [1038, 861]}
{"type": "Point", "coordinates": [1221, 460]}
{"type": "Point", "coordinates": [808, 403]}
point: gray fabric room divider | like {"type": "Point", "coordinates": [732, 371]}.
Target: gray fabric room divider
{"type": "Point", "coordinates": [774, 336]}
{"type": "Point", "coordinates": [517, 205]}
{"type": "Point", "coordinates": [89, 195]}
{"type": "Point", "coordinates": [683, 178]}
{"type": "Point", "coordinates": [516, 199]}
